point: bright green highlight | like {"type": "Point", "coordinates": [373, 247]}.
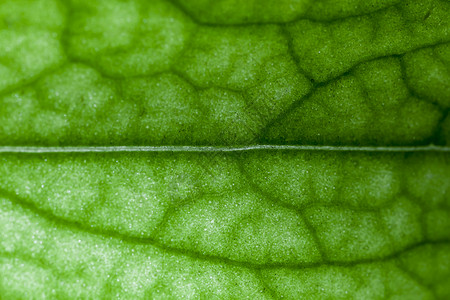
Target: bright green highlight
{"type": "Point", "coordinates": [195, 225]}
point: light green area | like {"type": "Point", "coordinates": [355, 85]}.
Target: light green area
{"type": "Point", "coordinates": [41, 259]}
{"type": "Point", "coordinates": [263, 224]}
{"type": "Point", "coordinates": [30, 33]}
{"type": "Point", "coordinates": [197, 225]}
{"type": "Point", "coordinates": [126, 38]}
{"type": "Point", "coordinates": [388, 279]}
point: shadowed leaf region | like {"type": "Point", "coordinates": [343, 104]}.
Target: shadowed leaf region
{"type": "Point", "coordinates": [156, 73]}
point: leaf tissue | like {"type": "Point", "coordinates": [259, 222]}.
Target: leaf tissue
{"type": "Point", "coordinates": [223, 149]}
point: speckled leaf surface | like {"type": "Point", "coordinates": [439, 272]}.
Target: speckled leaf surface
{"type": "Point", "coordinates": [223, 207]}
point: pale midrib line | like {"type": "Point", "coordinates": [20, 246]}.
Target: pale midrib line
{"type": "Point", "coordinates": [104, 149]}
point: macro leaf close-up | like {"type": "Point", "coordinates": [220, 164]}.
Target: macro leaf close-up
{"type": "Point", "coordinates": [224, 149]}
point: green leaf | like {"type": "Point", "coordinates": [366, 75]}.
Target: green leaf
{"type": "Point", "coordinates": [168, 149]}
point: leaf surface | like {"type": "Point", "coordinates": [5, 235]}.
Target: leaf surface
{"type": "Point", "coordinates": [224, 149]}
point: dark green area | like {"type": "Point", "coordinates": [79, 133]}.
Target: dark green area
{"type": "Point", "coordinates": [155, 73]}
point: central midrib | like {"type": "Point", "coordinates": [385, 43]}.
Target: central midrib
{"type": "Point", "coordinates": [86, 149]}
